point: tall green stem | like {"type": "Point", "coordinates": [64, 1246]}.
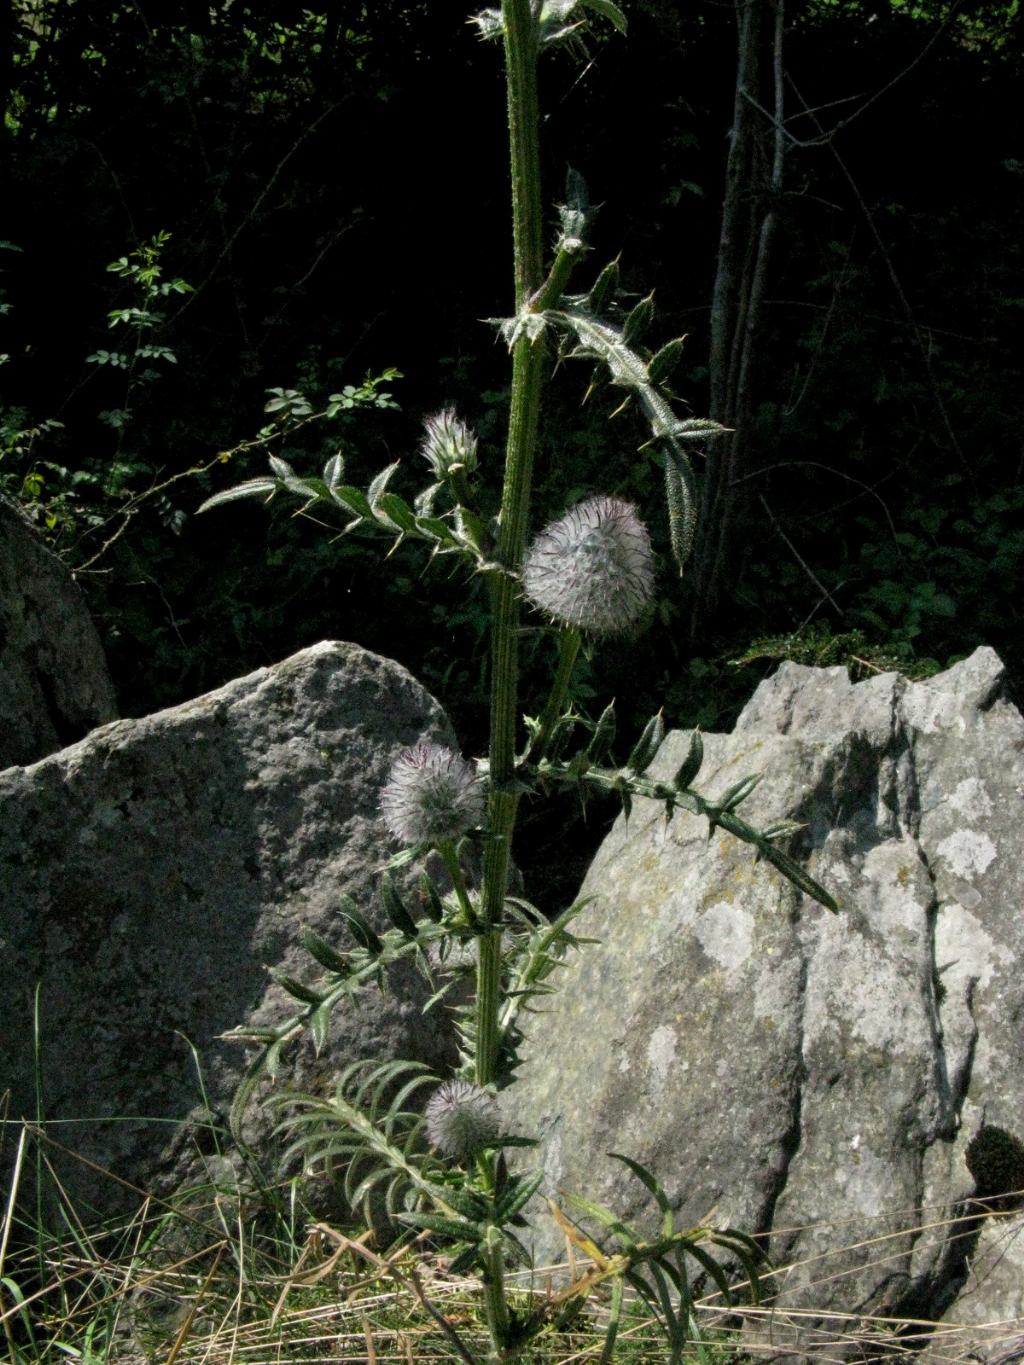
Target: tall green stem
{"type": "Point", "coordinates": [527, 367]}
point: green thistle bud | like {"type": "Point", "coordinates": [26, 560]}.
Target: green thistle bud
{"type": "Point", "coordinates": [593, 569]}
{"type": "Point", "coordinates": [461, 1118]}
{"type": "Point", "coordinates": [432, 796]}
{"type": "Point", "coordinates": [449, 445]}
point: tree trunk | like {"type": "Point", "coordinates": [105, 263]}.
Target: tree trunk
{"type": "Point", "coordinates": [753, 183]}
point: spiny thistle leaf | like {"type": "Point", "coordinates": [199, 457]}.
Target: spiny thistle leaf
{"type": "Point", "coordinates": [319, 1026]}
{"type": "Point", "coordinates": [597, 340]}
{"type": "Point", "coordinates": [681, 500]}
{"type": "Point", "coordinates": [522, 1190]}
{"type": "Point", "coordinates": [794, 873]}
{"type": "Point", "coordinates": [436, 1223]}
{"type": "Point", "coordinates": [396, 512]}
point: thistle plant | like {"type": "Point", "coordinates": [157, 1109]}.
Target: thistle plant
{"type": "Point", "coordinates": [433, 1148]}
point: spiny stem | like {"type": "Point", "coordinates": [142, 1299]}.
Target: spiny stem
{"type": "Point", "coordinates": [520, 36]}
{"type": "Point", "coordinates": [496, 1308]}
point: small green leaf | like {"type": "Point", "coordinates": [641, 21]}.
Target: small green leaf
{"type": "Point", "coordinates": [436, 529]}
{"type": "Point", "coordinates": [319, 1025]}
{"type": "Point", "coordinates": [664, 361]}
{"type": "Point", "coordinates": [396, 511]}
{"type": "Point", "coordinates": [334, 469]}
{"type": "Point", "coordinates": [519, 1195]}
{"type": "Point", "coordinates": [395, 907]}
{"type": "Point", "coordinates": [456, 1229]}
{"type": "Point", "coordinates": [607, 11]}
{"type": "Point", "coordinates": [464, 1261]}
{"type": "Point", "coordinates": [362, 932]}
{"type": "Point", "coordinates": [647, 746]}
{"type": "Point", "coordinates": [604, 735]}
{"type": "Point", "coordinates": [638, 321]}
{"type": "Point", "coordinates": [739, 791]}
{"type": "Point", "coordinates": [379, 485]}
{"type": "Point", "coordinates": [433, 906]}
{"type": "Point", "coordinates": [295, 988]}
{"type": "Point", "coordinates": [322, 951]}
{"type": "Point", "coordinates": [354, 499]}
{"type": "Point", "coordinates": [650, 1183]}
{"type": "Point", "coordinates": [794, 873]}
{"type": "Point", "coordinates": [695, 429]}
{"type": "Point", "coordinates": [604, 288]}
{"type": "Point", "coordinates": [691, 764]}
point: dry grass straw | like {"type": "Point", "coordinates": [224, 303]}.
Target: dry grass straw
{"type": "Point", "coordinates": [249, 1293]}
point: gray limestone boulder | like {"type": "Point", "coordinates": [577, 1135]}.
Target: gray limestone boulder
{"type": "Point", "coordinates": [151, 873]}
{"type": "Point", "coordinates": [814, 1079]}
{"type": "Point", "coordinates": [54, 684]}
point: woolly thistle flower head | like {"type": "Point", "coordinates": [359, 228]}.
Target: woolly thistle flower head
{"type": "Point", "coordinates": [593, 569]}
{"type": "Point", "coordinates": [448, 444]}
{"type": "Point", "coordinates": [461, 1118]}
{"type": "Point", "coordinates": [432, 795]}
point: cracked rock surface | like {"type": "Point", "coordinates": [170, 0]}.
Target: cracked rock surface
{"type": "Point", "coordinates": [811, 1077]}
{"type": "Point", "coordinates": [54, 683]}
{"type": "Point", "coordinates": [151, 873]}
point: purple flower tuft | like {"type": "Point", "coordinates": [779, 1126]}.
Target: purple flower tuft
{"type": "Point", "coordinates": [448, 444]}
{"type": "Point", "coordinates": [461, 1118]}
{"type": "Point", "coordinates": [593, 569]}
{"type": "Point", "coordinates": [432, 796]}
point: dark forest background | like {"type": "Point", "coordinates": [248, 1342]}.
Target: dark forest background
{"type": "Point", "coordinates": [309, 200]}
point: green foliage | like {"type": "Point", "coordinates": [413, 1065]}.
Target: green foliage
{"type": "Point", "coordinates": [70, 504]}
{"type": "Point", "coordinates": [657, 1268]}
{"type": "Point", "coordinates": [817, 647]}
